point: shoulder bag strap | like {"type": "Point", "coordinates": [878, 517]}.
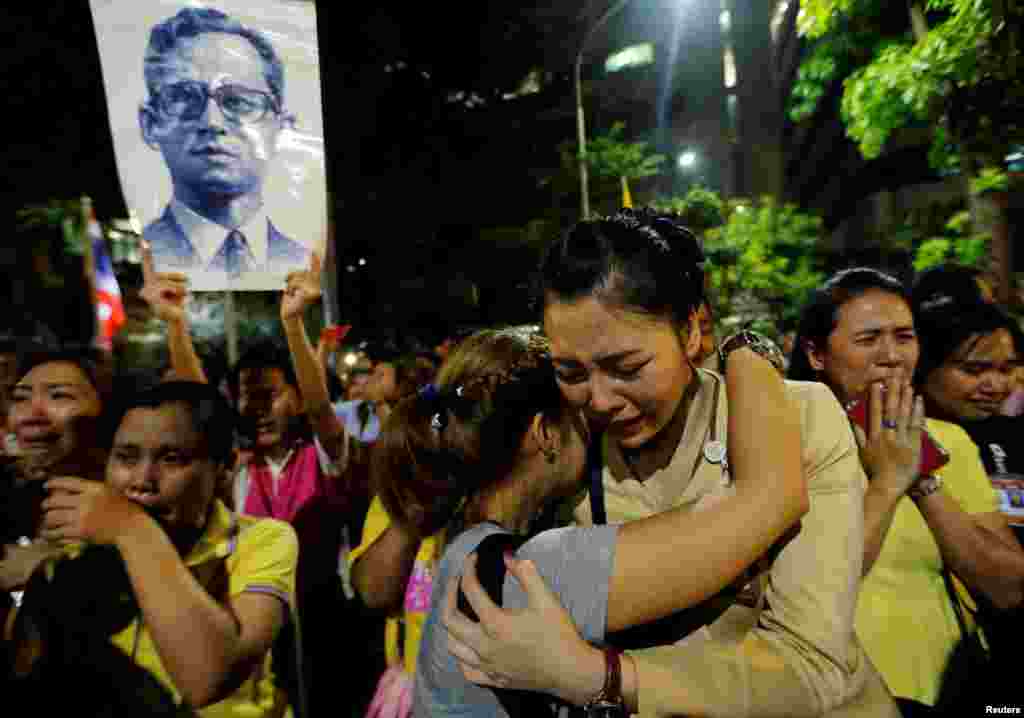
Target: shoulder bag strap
{"type": "Point", "coordinates": [595, 471]}
{"type": "Point", "coordinates": [490, 567]}
{"type": "Point", "coordinates": [954, 597]}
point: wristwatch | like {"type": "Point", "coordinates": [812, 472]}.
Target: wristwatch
{"type": "Point", "coordinates": [924, 486]}
{"type": "Point", "coordinates": [608, 702]}
{"type": "Point", "coordinates": [756, 342]}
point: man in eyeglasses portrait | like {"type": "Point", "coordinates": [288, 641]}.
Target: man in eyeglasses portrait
{"type": "Point", "coordinates": [215, 112]}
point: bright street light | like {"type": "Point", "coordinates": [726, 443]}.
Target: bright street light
{"type": "Point", "coordinates": [687, 159]}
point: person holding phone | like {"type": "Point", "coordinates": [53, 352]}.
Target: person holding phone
{"type": "Point", "coordinates": [858, 335]}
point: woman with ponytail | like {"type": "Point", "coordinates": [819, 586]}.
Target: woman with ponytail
{"type": "Point", "coordinates": [485, 451]}
{"type": "Point", "coordinates": [619, 298]}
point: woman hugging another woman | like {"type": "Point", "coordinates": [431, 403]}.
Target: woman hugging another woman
{"type": "Point", "coordinates": [700, 476]}
{"type": "Point", "coordinates": [491, 446]}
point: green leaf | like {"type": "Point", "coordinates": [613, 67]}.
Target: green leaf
{"type": "Point", "coordinates": [959, 223]}
{"type": "Point", "coordinates": [932, 252]}
{"type": "Point", "coordinates": [972, 251]}
{"type": "Point", "coordinates": [990, 179]}
{"type": "Point", "coordinates": [700, 209]}
{"type": "Point", "coordinates": [764, 260]}
{"type": "Point", "coordinates": [959, 77]}
{"type": "Point", "coordinates": [609, 155]}
{"type": "Point", "coordinates": [57, 213]}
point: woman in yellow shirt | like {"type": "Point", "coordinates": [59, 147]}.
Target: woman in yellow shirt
{"type": "Point", "coordinates": [858, 335]}
{"type": "Point", "coordinates": [393, 570]}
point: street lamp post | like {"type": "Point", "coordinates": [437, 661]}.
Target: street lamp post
{"type": "Point", "coordinates": [581, 131]}
{"type": "Point", "coordinates": [581, 139]}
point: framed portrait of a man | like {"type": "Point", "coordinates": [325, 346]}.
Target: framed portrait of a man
{"type": "Point", "coordinates": [217, 123]}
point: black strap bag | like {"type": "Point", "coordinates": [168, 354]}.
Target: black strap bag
{"type": "Point", "coordinates": [491, 572]}
{"type": "Point", "coordinates": [967, 676]}
{"type": "Point", "coordinates": [68, 621]}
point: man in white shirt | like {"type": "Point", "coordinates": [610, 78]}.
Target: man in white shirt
{"type": "Point", "coordinates": [215, 112]}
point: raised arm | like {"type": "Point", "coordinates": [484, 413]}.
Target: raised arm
{"type": "Point", "coordinates": [322, 352]}
{"type": "Point", "coordinates": [167, 295]}
{"type": "Point", "coordinates": [302, 290]}
{"type": "Point", "coordinates": [675, 559]}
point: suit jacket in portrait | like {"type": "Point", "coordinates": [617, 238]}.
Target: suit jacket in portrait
{"type": "Point", "coordinates": [173, 251]}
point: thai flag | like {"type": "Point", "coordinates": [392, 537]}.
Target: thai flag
{"type": "Point", "coordinates": [109, 307]}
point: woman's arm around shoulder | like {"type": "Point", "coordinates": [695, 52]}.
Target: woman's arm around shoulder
{"type": "Point", "coordinates": [678, 558]}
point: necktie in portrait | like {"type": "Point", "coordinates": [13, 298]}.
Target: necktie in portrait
{"type": "Point", "coordinates": [234, 256]}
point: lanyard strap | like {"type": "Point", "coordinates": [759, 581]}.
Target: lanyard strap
{"type": "Point", "coordinates": [595, 462]}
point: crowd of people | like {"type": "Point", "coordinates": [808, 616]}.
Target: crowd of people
{"type": "Point", "coordinates": [608, 513]}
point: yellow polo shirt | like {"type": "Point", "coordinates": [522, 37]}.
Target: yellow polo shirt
{"type": "Point", "coordinates": [416, 602]}
{"type": "Point", "coordinates": [904, 617]}
{"type": "Point", "coordinates": [259, 556]}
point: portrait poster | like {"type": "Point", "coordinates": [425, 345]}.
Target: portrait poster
{"type": "Point", "coordinates": [1010, 489]}
{"type": "Point", "coordinates": [216, 116]}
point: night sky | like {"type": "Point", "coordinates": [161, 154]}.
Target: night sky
{"type": "Point", "coordinates": [59, 142]}
{"type": "Point", "coordinates": [57, 118]}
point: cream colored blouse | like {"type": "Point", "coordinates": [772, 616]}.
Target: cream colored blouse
{"type": "Point", "coordinates": [794, 653]}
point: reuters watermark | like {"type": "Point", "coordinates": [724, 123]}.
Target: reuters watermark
{"type": "Point", "coordinates": [1002, 710]}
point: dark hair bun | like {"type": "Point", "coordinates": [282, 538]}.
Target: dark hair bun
{"type": "Point", "coordinates": [638, 258]}
{"type": "Point", "coordinates": [666, 232]}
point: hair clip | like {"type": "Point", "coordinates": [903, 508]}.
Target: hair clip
{"type": "Point", "coordinates": [934, 302]}
{"type": "Point", "coordinates": [435, 422]}
{"type": "Point", "coordinates": [429, 392]}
